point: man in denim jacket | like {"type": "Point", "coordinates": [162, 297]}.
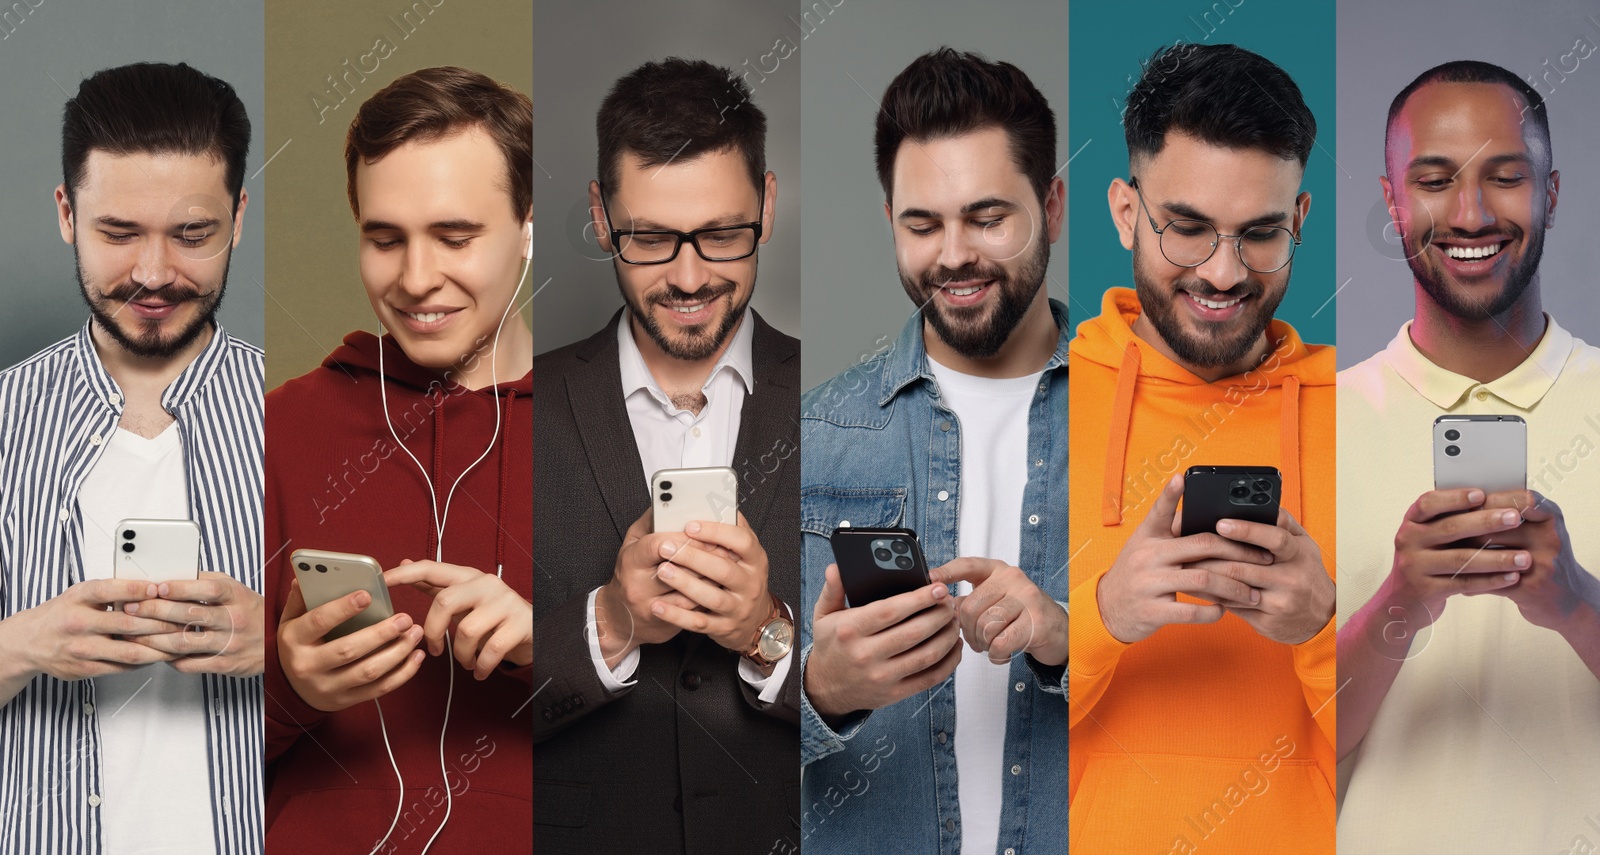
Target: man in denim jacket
{"type": "Point", "coordinates": [957, 431]}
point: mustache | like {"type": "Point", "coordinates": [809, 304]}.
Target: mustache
{"type": "Point", "coordinates": [1512, 233]}
{"type": "Point", "coordinates": [941, 276]}
{"type": "Point", "coordinates": [672, 295]}
{"type": "Point", "coordinates": [170, 294]}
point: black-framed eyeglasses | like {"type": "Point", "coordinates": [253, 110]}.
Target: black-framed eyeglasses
{"type": "Point", "coordinates": [659, 246]}
{"type": "Point", "coordinates": [1191, 243]}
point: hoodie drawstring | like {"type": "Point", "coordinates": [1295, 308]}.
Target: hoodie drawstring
{"type": "Point", "coordinates": [1117, 441]}
{"type": "Point", "coordinates": [1289, 445]}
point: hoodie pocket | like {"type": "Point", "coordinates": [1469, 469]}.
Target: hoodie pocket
{"type": "Point", "coordinates": [1161, 803]}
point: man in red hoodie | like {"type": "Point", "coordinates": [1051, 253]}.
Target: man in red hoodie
{"type": "Point", "coordinates": [415, 449]}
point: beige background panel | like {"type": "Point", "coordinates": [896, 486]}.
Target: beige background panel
{"type": "Point", "coordinates": [323, 61]}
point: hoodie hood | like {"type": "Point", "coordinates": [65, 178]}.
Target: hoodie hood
{"type": "Point", "coordinates": [413, 386]}
{"type": "Point", "coordinates": [1109, 341]}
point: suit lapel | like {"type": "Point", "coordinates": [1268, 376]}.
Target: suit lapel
{"type": "Point", "coordinates": [768, 422]}
{"type": "Point", "coordinates": [595, 394]}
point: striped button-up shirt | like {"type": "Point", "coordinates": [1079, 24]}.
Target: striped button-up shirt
{"type": "Point", "coordinates": [57, 411]}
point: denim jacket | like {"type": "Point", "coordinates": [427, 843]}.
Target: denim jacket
{"type": "Point", "coordinates": [880, 448]}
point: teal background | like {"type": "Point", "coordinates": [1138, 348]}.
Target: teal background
{"type": "Point", "coordinates": [1107, 43]}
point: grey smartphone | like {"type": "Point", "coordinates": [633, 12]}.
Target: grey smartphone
{"type": "Point", "coordinates": [157, 550]}
{"type": "Point", "coordinates": [1215, 493]}
{"type": "Point", "coordinates": [680, 496]}
{"type": "Point", "coordinates": [1487, 452]}
{"type": "Point", "coordinates": [875, 563]}
{"type": "Point", "coordinates": [327, 576]}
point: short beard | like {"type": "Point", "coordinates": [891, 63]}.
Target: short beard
{"type": "Point", "coordinates": [1157, 304]}
{"type": "Point", "coordinates": [962, 330]}
{"type": "Point", "coordinates": [696, 345]}
{"type": "Point", "coordinates": [1432, 279]}
{"type": "Point", "coordinates": [149, 344]}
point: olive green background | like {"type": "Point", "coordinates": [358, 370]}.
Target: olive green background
{"type": "Point", "coordinates": [314, 295]}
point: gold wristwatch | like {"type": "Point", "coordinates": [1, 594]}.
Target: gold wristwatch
{"type": "Point", "coordinates": [774, 638]}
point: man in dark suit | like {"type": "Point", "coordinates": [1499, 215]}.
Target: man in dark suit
{"type": "Point", "coordinates": [666, 704]}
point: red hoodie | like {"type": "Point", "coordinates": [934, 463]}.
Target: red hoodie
{"type": "Point", "coordinates": [335, 481]}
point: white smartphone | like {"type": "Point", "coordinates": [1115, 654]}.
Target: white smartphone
{"type": "Point", "coordinates": [1487, 452]}
{"type": "Point", "coordinates": [680, 496]}
{"type": "Point", "coordinates": [156, 550]}
{"type": "Point", "coordinates": [327, 576]}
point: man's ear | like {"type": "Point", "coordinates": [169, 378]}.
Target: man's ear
{"type": "Point", "coordinates": [1124, 205]}
{"type": "Point", "coordinates": [64, 219]}
{"type": "Point", "coordinates": [597, 218]}
{"type": "Point", "coordinates": [769, 206]}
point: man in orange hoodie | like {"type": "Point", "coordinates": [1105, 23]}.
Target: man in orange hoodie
{"type": "Point", "coordinates": [1202, 667]}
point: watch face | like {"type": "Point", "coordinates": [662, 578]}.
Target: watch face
{"type": "Point", "coordinates": [776, 639]}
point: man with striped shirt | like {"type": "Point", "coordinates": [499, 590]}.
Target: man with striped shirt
{"type": "Point", "coordinates": [130, 711]}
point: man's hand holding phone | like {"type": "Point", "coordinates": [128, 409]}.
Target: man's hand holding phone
{"type": "Point", "coordinates": [1138, 595]}
{"type": "Point", "coordinates": [624, 619]}
{"type": "Point", "coordinates": [77, 635]}
{"type": "Point", "coordinates": [1006, 613]}
{"type": "Point", "coordinates": [220, 625]}
{"type": "Point", "coordinates": [879, 653]}
{"type": "Point", "coordinates": [1550, 585]}
{"type": "Point", "coordinates": [722, 570]}
{"type": "Point", "coordinates": [337, 674]}
{"type": "Point", "coordinates": [490, 622]}
{"type": "Point", "coordinates": [1295, 595]}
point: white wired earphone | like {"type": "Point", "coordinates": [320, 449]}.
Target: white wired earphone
{"type": "Point", "coordinates": [439, 520]}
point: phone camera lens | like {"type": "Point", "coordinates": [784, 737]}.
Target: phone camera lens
{"type": "Point", "coordinates": [1452, 450]}
{"type": "Point", "coordinates": [881, 554]}
{"type": "Point", "coordinates": [1260, 499]}
{"type": "Point", "coordinates": [666, 485]}
{"type": "Point", "coordinates": [127, 547]}
{"type": "Point", "coordinates": [1263, 486]}
{"type": "Point", "coordinates": [304, 566]}
{"type": "Point", "coordinates": [127, 534]}
{"type": "Point", "coordinates": [1239, 492]}
{"type": "Point", "coordinates": [321, 569]}
{"type": "Point", "coordinates": [666, 497]}
{"type": "Point", "coordinates": [1452, 434]}
{"type": "Point", "coordinates": [900, 547]}
{"type": "Point", "coordinates": [904, 562]}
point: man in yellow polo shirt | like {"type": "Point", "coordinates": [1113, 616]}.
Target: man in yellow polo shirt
{"type": "Point", "coordinates": [1469, 710]}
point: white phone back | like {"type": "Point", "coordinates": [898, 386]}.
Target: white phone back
{"type": "Point", "coordinates": [679, 496]}
{"type": "Point", "coordinates": [1492, 453]}
{"type": "Point", "coordinates": [156, 550]}
{"type": "Point", "coordinates": [342, 573]}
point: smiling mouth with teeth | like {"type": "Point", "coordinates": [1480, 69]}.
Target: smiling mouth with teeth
{"type": "Point", "coordinates": [963, 292]}
{"type": "Point", "coordinates": [1215, 304]}
{"type": "Point", "coordinates": [425, 317]}
{"type": "Point", "coordinates": [1472, 253]}
{"type": "Point", "coordinates": [687, 310]}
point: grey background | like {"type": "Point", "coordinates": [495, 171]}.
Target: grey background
{"type": "Point", "coordinates": [578, 53]}
{"type": "Point", "coordinates": [44, 55]}
{"type": "Point", "coordinates": [1383, 46]}
{"type": "Point", "coordinates": [854, 304]}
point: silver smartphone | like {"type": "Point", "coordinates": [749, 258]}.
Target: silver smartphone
{"type": "Point", "coordinates": [327, 576]}
{"type": "Point", "coordinates": [156, 550]}
{"type": "Point", "coordinates": [679, 496]}
{"type": "Point", "coordinates": [1487, 452]}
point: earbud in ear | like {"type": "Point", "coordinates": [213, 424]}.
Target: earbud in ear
{"type": "Point", "coordinates": [527, 251]}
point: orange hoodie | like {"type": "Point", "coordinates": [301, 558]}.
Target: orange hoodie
{"type": "Point", "coordinates": [1200, 738]}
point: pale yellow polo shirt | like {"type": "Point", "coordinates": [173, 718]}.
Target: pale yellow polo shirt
{"type": "Point", "coordinates": [1489, 740]}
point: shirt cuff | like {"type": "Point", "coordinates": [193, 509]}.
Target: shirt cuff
{"type": "Point", "coordinates": [768, 687]}
{"type": "Point", "coordinates": [612, 679]}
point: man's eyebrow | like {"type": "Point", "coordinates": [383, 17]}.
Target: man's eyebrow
{"type": "Point", "coordinates": [437, 226]}
{"type": "Point", "coordinates": [970, 207]}
{"type": "Point", "coordinates": [649, 225]}
{"type": "Point", "coordinates": [116, 222]}
{"type": "Point", "coordinates": [1185, 211]}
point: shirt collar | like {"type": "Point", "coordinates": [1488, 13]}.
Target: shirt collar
{"type": "Point", "coordinates": [1522, 386]}
{"type": "Point", "coordinates": [738, 357]}
{"type": "Point", "coordinates": [907, 360]}
{"type": "Point", "coordinates": [184, 387]}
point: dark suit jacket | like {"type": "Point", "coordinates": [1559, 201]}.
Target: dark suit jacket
{"type": "Point", "coordinates": [687, 759]}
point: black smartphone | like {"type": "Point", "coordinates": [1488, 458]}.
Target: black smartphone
{"type": "Point", "coordinates": [875, 563]}
{"type": "Point", "coordinates": [1215, 493]}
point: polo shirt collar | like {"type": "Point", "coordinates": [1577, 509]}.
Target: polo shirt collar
{"type": "Point", "coordinates": [1522, 386]}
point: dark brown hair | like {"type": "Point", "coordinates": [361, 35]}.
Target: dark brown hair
{"type": "Point", "coordinates": [947, 93]}
{"type": "Point", "coordinates": [679, 109]}
{"type": "Point", "coordinates": [154, 108]}
{"type": "Point", "coordinates": [433, 103]}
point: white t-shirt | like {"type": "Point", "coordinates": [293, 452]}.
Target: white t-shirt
{"type": "Point", "coordinates": [157, 799]}
{"type": "Point", "coordinates": [993, 415]}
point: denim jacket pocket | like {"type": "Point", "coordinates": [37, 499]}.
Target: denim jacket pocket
{"type": "Point", "coordinates": [823, 509]}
